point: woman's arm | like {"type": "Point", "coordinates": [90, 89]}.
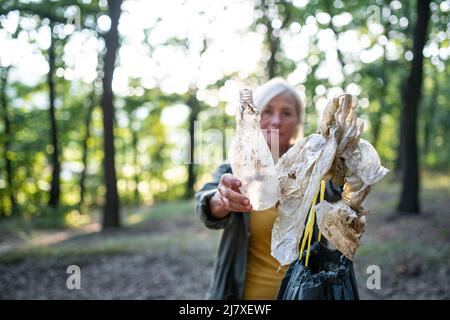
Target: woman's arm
{"type": "Point", "coordinates": [203, 197]}
{"type": "Point", "coordinates": [217, 206]}
{"type": "Point", "coordinates": [224, 197]}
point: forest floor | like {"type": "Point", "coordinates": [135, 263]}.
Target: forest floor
{"type": "Point", "coordinates": [164, 252]}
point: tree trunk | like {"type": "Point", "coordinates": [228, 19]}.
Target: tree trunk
{"type": "Point", "coordinates": [273, 51]}
{"type": "Point", "coordinates": [399, 161]}
{"type": "Point", "coordinates": [378, 120]}
{"type": "Point", "coordinates": [340, 55]}
{"type": "Point", "coordinates": [271, 40]}
{"type": "Point", "coordinates": [56, 165]}
{"type": "Point", "coordinates": [193, 104]}
{"type": "Point", "coordinates": [398, 165]}
{"type": "Point", "coordinates": [85, 147]}
{"type": "Point", "coordinates": [6, 148]}
{"type": "Point", "coordinates": [111, 217]}
{"type": "Point", "coordinates": [430, 119]}
{"type": "Point", "coordinates": [409, 199]}
{"type": "Point", "coordinates": [134, 142]}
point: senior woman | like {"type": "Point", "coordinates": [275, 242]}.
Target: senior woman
{"type": "Point", "coordinates": [244, 268]}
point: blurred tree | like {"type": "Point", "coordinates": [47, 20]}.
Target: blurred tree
{"type": "Point", "coordinates": [55, 150]}
{"type": "Point", "coordinates": [433, 116]}
{"type": "Point", "coordinates": [7, 146]}
{"type": "Point", "coordinates": [91, 104]}
{"type": "Point", "coordinates": [44, 10]}
{"type": "Point", "coordinates": [274, 17]}
{"type": "Point", "coordinates": [272, 36]}
{"type": "Point", "coordinates": [132, 105]}
{"type": "Point", "coordinates": [111, 209]}
{"type": "Point", "coordinates": [399, 163]}
{"type": "Point", "coordinates": [195, 105]}
{"type": "Point", "coordinates": [430, 117]}
{"type": "Point", "coordinates": [409, 198]}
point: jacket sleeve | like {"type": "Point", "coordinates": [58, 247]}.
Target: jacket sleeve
{"type": "Point", "coordinates": [203, 196]}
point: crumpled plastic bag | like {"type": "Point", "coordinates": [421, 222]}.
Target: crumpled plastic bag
{"type": "Point", "coordinates": [299, 174]}
{"type": "Point", "coordinates": [337, 153]}
{"type": "Point", "coordinates": [341, 226]}
{"type": "Point", "coordinates": [343, 223]}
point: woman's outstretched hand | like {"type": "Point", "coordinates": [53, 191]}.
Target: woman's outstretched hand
{"type": "Point", "coordinates": [228, 198]}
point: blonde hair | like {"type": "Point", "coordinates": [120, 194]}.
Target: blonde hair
{"type": "Point", "coordinates": [272, 88]}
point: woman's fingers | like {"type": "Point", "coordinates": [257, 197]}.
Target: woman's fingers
{"type": "Point", "coordinates": [232, 195]}
{"type": "Point", "coordinates": [236, 206]}
{"type": "Point", "coordinates": [230, 181]}
{"type": "Point", "coordinates": [236, 184]}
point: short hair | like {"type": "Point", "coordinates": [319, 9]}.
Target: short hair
{"type": "Point", "coordinates": [272, 88]}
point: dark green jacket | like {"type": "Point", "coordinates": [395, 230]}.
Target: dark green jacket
{"type": "Point", "coordinates": [231, 264]}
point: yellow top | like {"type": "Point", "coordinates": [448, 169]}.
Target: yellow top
{"type": "Point", "coordinates": [263, 280]}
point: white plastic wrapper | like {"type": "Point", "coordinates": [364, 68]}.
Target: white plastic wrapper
{"type": "Point", "coordinates": [337, 153]}
{"type": "Point", "coordinates": [299, 171]}
{"type": "Point", "coordinates": [364, 169]}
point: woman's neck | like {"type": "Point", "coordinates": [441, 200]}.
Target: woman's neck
{"type": "Point", "coordinates": [283, 150]}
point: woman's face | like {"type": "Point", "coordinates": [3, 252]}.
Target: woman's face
{"type": "Point", "coordinates": [280, 113]}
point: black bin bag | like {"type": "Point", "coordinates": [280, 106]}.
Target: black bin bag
{"type": "Point", "coordinates": [328, 276]}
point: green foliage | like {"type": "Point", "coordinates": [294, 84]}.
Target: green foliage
{"type": "Point", "coordinates": [146, 169]}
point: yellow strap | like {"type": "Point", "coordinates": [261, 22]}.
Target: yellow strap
{"type": "Point", "coordinates": [305, 235]}
{"type": "Point", "coordinates": [322, 197]}
{"type": "Point", "coordinates": [309, 229]}
{"type": "Point", "coordinates": [322, 190]}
